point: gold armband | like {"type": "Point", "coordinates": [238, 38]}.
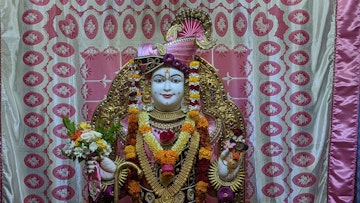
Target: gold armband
{"type": "Point", "coordinates": [216, 181]}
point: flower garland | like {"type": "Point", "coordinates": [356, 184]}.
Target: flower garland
{"type": "Point", "coordinates": [167, 158]}
{"type": "Point", "coordinates": [133, 182]}
{"type": "Point", "coordinates": [203, 164]}
{"type": "Point", "coordinates": [194, 89]}
{"type": "Point", "coordinates": [139, 123]}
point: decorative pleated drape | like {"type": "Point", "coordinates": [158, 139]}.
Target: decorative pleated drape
{"type": "Point", "coordinates": [292, 67]}
{"type": "Point", "coordinates": [345, 116]}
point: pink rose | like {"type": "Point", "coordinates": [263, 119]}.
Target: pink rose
{"type": "Point", "coordinates": [167, 136]}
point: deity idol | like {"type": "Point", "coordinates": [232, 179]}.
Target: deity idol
{"type": "Point", "coordinates": [183, 140]}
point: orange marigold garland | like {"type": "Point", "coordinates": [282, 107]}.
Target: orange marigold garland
{"type": "Point", "coordinates": [166, 158]}
{"type": "Point", "coordinates": [134, 187]}
{"type": "Point", "coordinates": [133, 182]}
{"type": "Point", "coordinates": [134, 190]}
{"type": "Point", "coordinates": [187, 127]}
{"type": "Point", "coordinates": [203, 164]}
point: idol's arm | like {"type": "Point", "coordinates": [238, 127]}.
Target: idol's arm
{"type": "Point", "coordinates": [227, 173]}
{"type": "Point", "coordinates": [107, 167]}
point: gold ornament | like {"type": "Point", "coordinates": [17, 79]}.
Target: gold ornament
{"type": "Point", "coordinates": [146, 94]}
{"type": "Point", "coordinates": [161, 48]}
{"type": "Point", "coordinates": [120, 168]}
{"type": "Point", "coordinates": [167, 116]}
{"type": "Point", "coordinates": [173, 125]}
{"type": "Point", "coordinates": [121, 177]}
{"type": "Point", "coordinates": [215, 103]}
{"type": "Point", "coordinates": [167, 193]}
{"type": "Point", "coordinates": [216, 182]}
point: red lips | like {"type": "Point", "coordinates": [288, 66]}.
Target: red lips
{"type": "Point", "coordinates": [167, 96]}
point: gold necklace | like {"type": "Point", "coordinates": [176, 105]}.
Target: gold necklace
{"type": "Point", "coordinates": [166, 116]}
{"type": "Point", "coordinates": [154, 145]}
{"type": "Point", "coordinates": [167, 194]}
{"type": "Point", "coordinates": [176, 124]}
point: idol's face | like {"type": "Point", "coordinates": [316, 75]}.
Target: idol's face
{"type": "Point", "coordinates": [167, 88]}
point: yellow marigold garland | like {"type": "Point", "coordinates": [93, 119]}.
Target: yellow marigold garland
{"type": "Point", "coordinates": [181, 143]}
{"type": "Point", "coordinates": [144, 129]}
{"type": "Point", "coordinates": [187, 129]}
{"type": "Point", "coordinates": [193, 79]}
{"type": "Point", "coordinates": [194, 113]}
{"type": "Point", "coordinates": [204, 153]}
{"type": "Point", "coordinates": [194, 96]}
{"type": "Point", "coordinates": [201, 186]}
{"type": "Point", "coordinates": [129, 152]}
{"type": "Point", "coordinates": [133, 111]}
{"type": "Point", "coordinates": [152, 143]}
{"type": "Point", "coordinates": [202, 122]}
{"type": "Point", "coordinates": [165, 157]}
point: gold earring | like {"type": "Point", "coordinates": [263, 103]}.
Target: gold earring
{"type": "Point", "coordinates": [146, 98]}
{"type": "Point", "coordinates": [146, 95]}
{"type": "Point", "coordinates": [185, 101]}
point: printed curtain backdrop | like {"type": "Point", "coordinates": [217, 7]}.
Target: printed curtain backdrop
{"type": "Point", "coordinates": [291, 66]}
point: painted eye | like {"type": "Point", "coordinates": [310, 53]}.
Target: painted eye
{"type": "Point", "coordinates": [158, 79]}
{"type": "Point", "coordinates": [176, 79]}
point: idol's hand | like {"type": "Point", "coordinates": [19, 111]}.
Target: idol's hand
{"type": "Point", "coordinates": [228, 167]}
{"type": "Point", "coordinates": [107, 167]}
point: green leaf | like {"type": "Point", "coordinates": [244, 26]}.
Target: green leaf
{"type": "Point", "coordinates": [70, 126]}
{"type": "Point", "coordinates": [109, 131]}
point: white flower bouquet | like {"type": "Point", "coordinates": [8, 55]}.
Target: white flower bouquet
{"type": "Point", "coordinates": [86, 140]}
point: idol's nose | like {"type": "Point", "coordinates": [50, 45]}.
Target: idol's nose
{"type": "Point", "coordinates": [167, 86]}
